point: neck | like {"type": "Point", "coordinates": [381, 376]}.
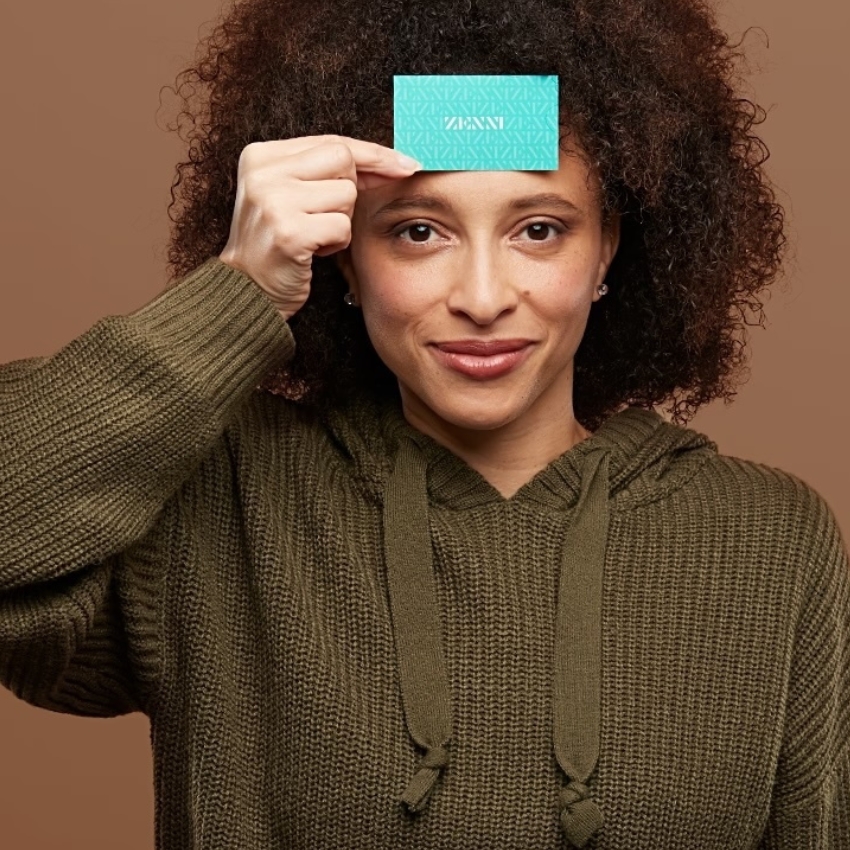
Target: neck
{"type": "Point", "coordinates": [508, 456]}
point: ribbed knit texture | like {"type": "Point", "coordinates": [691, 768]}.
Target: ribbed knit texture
{"type": "Point", "coordinates": [173, 540]}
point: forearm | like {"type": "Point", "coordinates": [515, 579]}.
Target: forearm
{"type": "Point", "coordinates": [94, 439]}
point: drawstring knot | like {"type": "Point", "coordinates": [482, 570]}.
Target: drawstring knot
{"type": "Point", "coordinates": [580, 816]}
{"type": "Point", "coordinates": [421, 784]}
{"type": "Point", "coordinates": [436, 757]}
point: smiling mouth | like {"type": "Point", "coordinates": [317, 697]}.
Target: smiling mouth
{"type": "Point", "coordinates": [482, 367]}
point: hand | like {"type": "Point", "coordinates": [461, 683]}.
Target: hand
{"type": "Point", "coordinates": [295, 198]}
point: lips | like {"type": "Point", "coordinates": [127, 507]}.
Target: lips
{"type": "Point", "coordinates": [483, 360]}
{"type": "Point", "coordinates": [483, 348]}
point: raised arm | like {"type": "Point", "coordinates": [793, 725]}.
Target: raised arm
{"type": "Point", "coordinates": [93, 442]}
{"type": "Point", "coordinates": [96, 439]}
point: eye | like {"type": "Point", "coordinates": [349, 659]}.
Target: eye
{"type": "Point", "coordinates": [537, 230]}
{"type": "Point", "coordinates": [417, 229]}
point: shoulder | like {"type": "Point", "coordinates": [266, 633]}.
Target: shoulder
{"type": "Point", "coordinates": [784, 508]}
{"type": "Point", "coordinates": [302, 443]}
{"type": "Point", "coordinates": [773, 491]}
{"type": "Point", "coordinates": [266, 415]}
{"type": "Point", "coordinates": [277, 432]}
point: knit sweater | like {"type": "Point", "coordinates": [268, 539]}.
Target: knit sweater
{"type": "Point", "coordinates": [345, 637]}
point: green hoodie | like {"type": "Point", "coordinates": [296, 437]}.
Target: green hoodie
{"type": "Point", "coordinates": [346, 639]}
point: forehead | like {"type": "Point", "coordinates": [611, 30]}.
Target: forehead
{"type": "Point", "coordinates": [574, 184]}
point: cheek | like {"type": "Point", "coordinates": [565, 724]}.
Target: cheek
{"type": "Point", "coordinates": [394, 301]}
{"type": "Point", "coordinates": [390, 289]}
{"type": "Point", "coordinates": [565, 292]}
{"type": "Point", "coordinates": [561, 303]}
{"type": "Point", "coordinates": [392, 307]}
{"type": "Point", "coordinates": [395, 297]}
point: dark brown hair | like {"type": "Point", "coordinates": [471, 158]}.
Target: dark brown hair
{"type": "Point", "coordinates": [648, 90]}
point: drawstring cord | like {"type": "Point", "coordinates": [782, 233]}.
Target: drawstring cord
{"type": "Point", "coordinates": [578, 651]}
{"type": "Point", "coordinates": [416, 620]}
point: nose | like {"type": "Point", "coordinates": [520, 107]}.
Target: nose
{"type": "Point", "coordinates": [481, 286]}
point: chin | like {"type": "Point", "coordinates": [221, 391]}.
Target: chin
{"type": "Point", "coordinates": [462, 410]}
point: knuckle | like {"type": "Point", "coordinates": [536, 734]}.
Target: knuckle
{"type": "Point", "coordinates": [249, 163]}
{"type": "Point", "coordinates": [344, 226]}
{"type": "Point", "coordinates": [350, 192]}
{"type": "Point", "coordinates": [342, 154]}
{"type": "Point", "coordinates": [284, 232]}
{"type": "Point", "coordinates": [249, 153]}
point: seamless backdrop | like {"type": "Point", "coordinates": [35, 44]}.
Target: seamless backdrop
{"type": "Point", "coordinates": [85, 174]}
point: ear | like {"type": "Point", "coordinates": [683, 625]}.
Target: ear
{"type": "Point", "coordinates": [345, 265]}
{"type": "Point", "coordinates": [610, 244]}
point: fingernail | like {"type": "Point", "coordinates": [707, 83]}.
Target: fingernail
{"type": "Point", "coordinates": [407, 161]}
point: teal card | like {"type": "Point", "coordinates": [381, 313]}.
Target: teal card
{"type": "Point", "coordinates": [477, 122]}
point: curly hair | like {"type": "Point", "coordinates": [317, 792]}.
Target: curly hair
{"type": "Point", "coordinates": [648, 92]}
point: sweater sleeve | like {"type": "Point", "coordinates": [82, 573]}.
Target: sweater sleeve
{"type": "Point", "coordinates": [94, 440]}
{"type": "Point", "coordinates": [810, 807]}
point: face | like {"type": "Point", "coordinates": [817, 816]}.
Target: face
{"type": "Point", "coordinates": [443, 261]}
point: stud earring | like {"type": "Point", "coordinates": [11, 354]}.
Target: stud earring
{"type": "Point", "coordinates": [350, 299]}
{"type": "Point", "coordinates": [602, 288]}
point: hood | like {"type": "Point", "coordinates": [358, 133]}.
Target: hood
{"type": "Point", "coordinates": [634, 455]}
{"type": "Point", "coordinates": [648, 457]}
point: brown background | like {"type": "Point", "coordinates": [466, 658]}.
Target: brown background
{"type": "Point", "coordinates": [86, 169]}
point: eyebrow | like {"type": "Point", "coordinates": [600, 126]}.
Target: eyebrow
{"type": "Point", "coordinates": [441, 203]}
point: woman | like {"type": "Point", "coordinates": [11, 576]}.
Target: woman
{"type": "Point", "coordinates": [448, 581]}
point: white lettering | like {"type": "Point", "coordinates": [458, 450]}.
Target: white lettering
{"type": "Point", "coordinates": [473, 122]}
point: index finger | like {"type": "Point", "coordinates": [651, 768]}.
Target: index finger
{"type": "Point", "coordinates": [368, 156]}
